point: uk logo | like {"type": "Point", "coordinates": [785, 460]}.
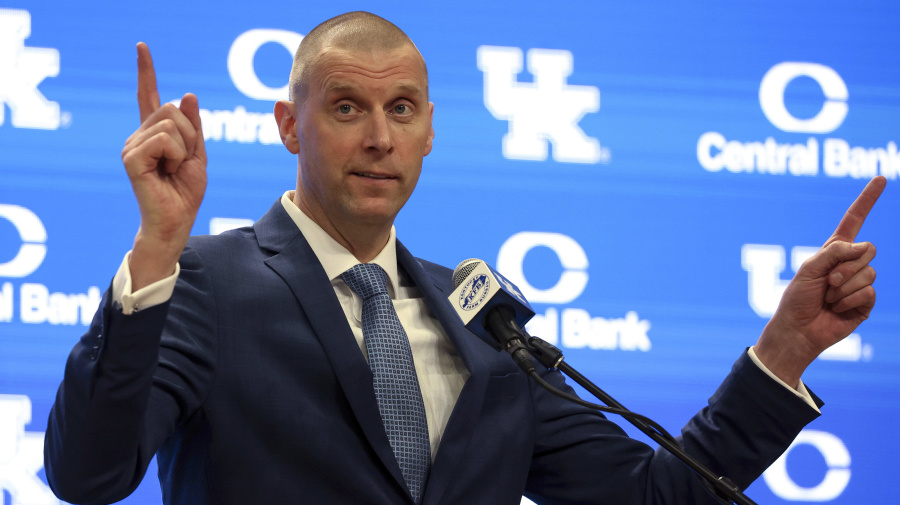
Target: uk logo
{"type": "Point", "coordinates": [541, 113]}
{"type": "Point", "coordinates": [22, 69]}
{"type": "Point", "coordinates": [510, 287]}
{"type": "Point", "coordinates": [765, 264]}
{"type": "Point", "coordinates": [21, 454]}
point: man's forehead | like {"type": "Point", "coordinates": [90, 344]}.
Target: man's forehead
{"type": "Point", "coordinates": [340, 69]}
{"type": "Point", "coordinates": [373, 60]}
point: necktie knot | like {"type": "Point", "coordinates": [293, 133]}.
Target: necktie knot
{"type": "Point", "coordinates": [366, 280]}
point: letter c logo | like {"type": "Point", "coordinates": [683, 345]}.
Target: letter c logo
{"type": "Point", "coordinates": [240, 61]}
{"type": "Point", "coordinates": [771, 97]}
{"type": "Point", "coordinates": [33, 234]}
{"type": "Point", "coordinates": [836, 478]}
{"type": "Point", "coordinates": [574, 261]}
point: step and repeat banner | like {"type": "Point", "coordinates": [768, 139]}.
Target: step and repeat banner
{"type": "Point", "coordinates": [651, 174]}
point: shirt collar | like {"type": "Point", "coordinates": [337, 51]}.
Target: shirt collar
{"type": "Point", "coordinates": [334, 257]}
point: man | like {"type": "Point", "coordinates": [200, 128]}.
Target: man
{"type": "Point", "coordinates": [229, 357]}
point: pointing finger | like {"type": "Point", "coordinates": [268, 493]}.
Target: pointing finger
{"type": "Point", "coordinates": [855, 216]}
{"type": "Point", "coordinates": [147, 95]}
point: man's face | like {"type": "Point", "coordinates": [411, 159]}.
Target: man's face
{"type": "Point", "coordinates": [363, 128]}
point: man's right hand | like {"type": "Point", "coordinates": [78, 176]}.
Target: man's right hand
{"type": "Point", "coordinates": [166, 163]}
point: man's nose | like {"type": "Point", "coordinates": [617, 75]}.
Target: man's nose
{"type": "Point", "coordinates": [379, 136]}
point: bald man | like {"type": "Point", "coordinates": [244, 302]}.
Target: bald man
{"type": "Point", "coordinates": [243, 360]}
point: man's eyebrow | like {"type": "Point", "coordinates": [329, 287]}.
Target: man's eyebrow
{"type": "Point", "coordinates": [406, 88]}
{"type": "Point", "coordinates": [411, 89]}
{"type": "Point", "coordinates": [340, 86]}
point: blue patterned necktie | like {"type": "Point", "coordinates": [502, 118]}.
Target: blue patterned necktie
{"type": "Point", "coordinates": [396, 384]}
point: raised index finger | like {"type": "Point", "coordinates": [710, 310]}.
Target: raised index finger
{"type": "Point", "coordinates": [148, 97]}
{"type": "Point", "coordinates": [855, 216]}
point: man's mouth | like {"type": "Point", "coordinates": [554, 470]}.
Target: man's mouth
{"type": "Point", "coordinates": [369, 175]}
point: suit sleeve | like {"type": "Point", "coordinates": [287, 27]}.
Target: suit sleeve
{"type": "Point", "coordinates": [581, 457]}
{"type": "Point", "coordinates": [129, 382]}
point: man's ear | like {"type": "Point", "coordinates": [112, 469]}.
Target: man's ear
{"type": "Point", "coordinates": [287, 125]}
{"type": "Point", "coordinates": [428, 143]}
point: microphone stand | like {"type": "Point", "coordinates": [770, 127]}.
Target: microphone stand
{"type": "Point", "coordinates": [552, 358]}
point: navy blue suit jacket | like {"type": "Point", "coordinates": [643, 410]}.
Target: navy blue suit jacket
{"type": "Point", "coordinates": [250, 387]}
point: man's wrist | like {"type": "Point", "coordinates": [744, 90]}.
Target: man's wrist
{"type": "Point", "coordinates": [799, 389]}
{"type": "Point", "coordinates": [783, 353]}
{"type": "Point", "coordinates": [129, 300]}
{"type": "Point", "coordinates": [152, 260]}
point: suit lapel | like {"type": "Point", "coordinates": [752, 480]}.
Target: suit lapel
{"type": "Point", "coordinates": [298, 266]}
{"type": "Point", "coordinates": [455, 441]}
{"type": "Point", "coordinates": [295, 262]}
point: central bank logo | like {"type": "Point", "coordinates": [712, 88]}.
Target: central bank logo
{"type": "Point", "coordinates": [541, 113]}
{"type": "Point", "coordinates": [33, 235]}
{"type": "Point", "coordinates": [21, 454]}
{"type": "Point", "coordinates": [833, 156]}
{"type": "Point", "coordinates": [241, 125]}
{"type": "Point", "coordinates": [568, 326]}
{"type": "Point", "coordinates": [22, 69]}
{"type": "Point", "coordinates": [771, 97]}
{"type": "Point", "coordinates": [831, 485]}
{"type": "Point", "coordinates": [37, 304]}
{"type": "Point", "coordinates": [240, 61]}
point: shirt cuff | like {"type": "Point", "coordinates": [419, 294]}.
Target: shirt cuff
{"type": "Point", "coordinates": [801, 390]}
{"type": "Point", "coordinates": [155, 294]}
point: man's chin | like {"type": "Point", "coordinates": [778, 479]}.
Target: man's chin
{"type": "Point", "coordinates": [376, 213]}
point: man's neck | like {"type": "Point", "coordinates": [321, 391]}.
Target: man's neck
{"type": "Point", "coordinates": [364, 241]}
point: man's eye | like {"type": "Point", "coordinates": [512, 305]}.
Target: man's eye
{"type": "Point", "coordinates": [345, 109]}
{"type": "Point", "coordinates": [401, 109]}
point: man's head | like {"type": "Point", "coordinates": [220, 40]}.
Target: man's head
{"type": "Point", "coordinates": [356, 31]}
{"type": "Point", "coordinates": [360, 124]}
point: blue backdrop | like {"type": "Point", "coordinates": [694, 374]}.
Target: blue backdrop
{"type": "Point", "coordinates": [650, 173]}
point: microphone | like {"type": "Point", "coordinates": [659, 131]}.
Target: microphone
{"type": "Point", "coordinates": [493, 308]}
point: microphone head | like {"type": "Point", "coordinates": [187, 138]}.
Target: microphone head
{"type": "Point", "coordinates": [463, 270]}
{"type": "Point", "coordinates": [480, 289]}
